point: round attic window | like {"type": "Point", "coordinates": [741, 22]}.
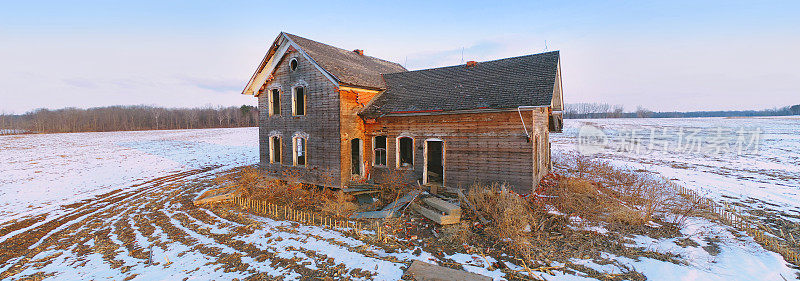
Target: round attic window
{"type": "Point", "coordinates": [293, 65]}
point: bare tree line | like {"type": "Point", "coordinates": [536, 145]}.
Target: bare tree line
{"type": "Point", "coordinates": [127, 118]}
{"type": "Point", "coordinates": [592, 110]}
{"type": "Point", "coordinates": [603, 110]}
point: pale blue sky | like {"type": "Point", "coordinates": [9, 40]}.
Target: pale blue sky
{"type": "Point", "coordinates": [670, 55]}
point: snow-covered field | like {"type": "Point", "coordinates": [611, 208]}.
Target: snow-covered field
{"type": "Point", "coordinates": [40, 173]}
{"type": "Point", "coordinates": [752, 163]}
{"type": "Point", "coordinates": [118, 205]}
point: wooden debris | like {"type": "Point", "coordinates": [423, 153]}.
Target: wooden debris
{"type": "Point", "coordinates": [390, 210]}
{"type": "Point", "coordinates": [444, 206]}
{"type": "Point", "coordinates": [396, 205]}
{"type": "Point", "coordinates": [372, 215]}
{"type": "Point", "coordinates": [422, 271]}
{"type": "Point", "coordinates": [214, 195]}
{"type": "Point", "coordinates": [438, 216]}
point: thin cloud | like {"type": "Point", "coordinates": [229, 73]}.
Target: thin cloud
{"type": "Point", "coordinates": [225, 86]}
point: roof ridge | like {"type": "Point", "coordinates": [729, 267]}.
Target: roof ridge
{"type": "Point", "coordinates": [343, 49]}
{"type": "Point", "coordinates": [480, 62]}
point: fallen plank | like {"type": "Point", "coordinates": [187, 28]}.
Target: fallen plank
{"type": "Point", "coordinates": [436, 216]}
{"type": "Point", "coordinates": [443, 206]}
{"type": "Point", "coordinates": [359, 191]}
{"type": "Point", "coordinates": [214, 199]}
{"type": "Point", "coordinates": [390, 210]}
{"type": "Point", "coordinates": [396, 205]}
{"type": "Point", "coordinates": [372, 215]}
{"type": "Point", "coordinates": [423, 271]}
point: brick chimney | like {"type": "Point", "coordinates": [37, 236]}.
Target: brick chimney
{"type": "Point", "coordinates": [359, 51]}
{"type": "Point", "coordinates": [471, 63]}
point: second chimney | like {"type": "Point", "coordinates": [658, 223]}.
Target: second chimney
{"type": "Point", "coordinates": [471, 63]}
{"type": "Point", "coordinates": [359, 51]}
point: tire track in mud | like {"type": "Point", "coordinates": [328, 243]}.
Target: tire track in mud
{"type": "Point", "coordinates": [80, 224]}
{"type": "Point", "coordinates": [123, 230]}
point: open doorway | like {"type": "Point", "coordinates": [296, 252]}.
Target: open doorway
{"type": "Point", "coordinates": [434, 162]}
{"type": "Point", "coordinates": [355, 157]}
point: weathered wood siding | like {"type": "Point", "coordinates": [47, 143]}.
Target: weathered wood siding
{"type": "Point", "coordinates": [351, 101]}
{"type": "Point", "coordinates": [479, 148]}
{"type": "Point", "coordinates": [320, 124]}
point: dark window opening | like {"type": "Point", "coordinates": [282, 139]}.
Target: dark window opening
{"type": "Point", "coordinates": [299, 101]}
{"type": "Point", "coordinates": [276, 150]}
{"type": "Point", "coordinates": [556, 123]}
{"type": "Point", "coordinates": [435, 161]}
{"type": "Point", "coordinates": [406, 152]}
{"type": "Point", "coordinates": [293, 64]}
{"type": "Point", "coordinates": [380, 150]}
{"type": "Point", "coordinates": [276, 102]}
{"type": "Point", "coordinates": [355, 156]}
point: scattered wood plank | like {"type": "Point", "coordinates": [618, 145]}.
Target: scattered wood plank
{"type": "Point", "coordinates": [423, 271]}
{"type": "Point", "coordinates": [390, 210]}
{"type": "Point", "coordinates": [443, 206]}
{"type": "Point", "coordinates": [372, 215]}
{"type": "Point", "coordinates": [359, 191]}
{"type": "Point", "coordinates": [219, 194]}
{"type": "Point", "coordinates": [396, 205]}
{"type": "Point", "coordinates": [214, 199]}
{"type": "Point", "coordinates": [435, 216]}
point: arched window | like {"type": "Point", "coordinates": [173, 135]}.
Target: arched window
{"type": "Point", "coordinates": [275, 149]}
{"type": "Point", "coordinates": [298, 101]}
{"type": "Point", "coordinates": [405, 152]}
{"type": "Point", "coordinates": [379, 145]}
{"type": "Point", "coordinates": [293, 64]}
{"type": "Point", "coordinates": [299, 151]}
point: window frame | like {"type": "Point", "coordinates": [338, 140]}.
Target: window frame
{"type": "Point", "coordinates": [305, 151]}
{"type": "Point", "coordinates": [397, 152]}
{"type": "Point", "coordinates": [294, 64]}
{"type": "Point", "coordinates": [375, 151]}
{"type": "Point", "coordinates": [272, 149]}
{"type": "Point", "coordinates": [294, 101]}
{"type": "Point", "coordinates": [272, 102]}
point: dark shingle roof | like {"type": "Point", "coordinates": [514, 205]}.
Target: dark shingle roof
{"type": "Point", "coordinates": [347, 66]}
{"type": "Point", "coordinates": [500, 84]}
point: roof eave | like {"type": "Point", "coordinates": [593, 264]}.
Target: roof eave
{"type": "Point", "coordinates": [441, 112]}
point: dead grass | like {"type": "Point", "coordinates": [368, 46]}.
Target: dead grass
{"type": "Point", "coordinates": [598, 191]}
{"type": "Point", "coordinates": [338, 204]}
{"type": "Point", "coordinates": [250, 183]}
{"type": "Point", "coordinates": [552, 225]}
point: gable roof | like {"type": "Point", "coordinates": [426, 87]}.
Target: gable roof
{"type": "Point", "coordinates": [347, 67]}
{"type": "Point", "coordinates": [499, 84]}
{"type": "Point", "coordinates": [339, 65]}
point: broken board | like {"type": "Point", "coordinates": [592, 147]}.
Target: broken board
{"type": "Point", "coordinates": [423, 271]}
{"type": "Point", "coordinates": [390, 209]}
{"type": "Point", "coordinates": [435, 216]}
{"type": "Point", "coordinates": [214, 195]}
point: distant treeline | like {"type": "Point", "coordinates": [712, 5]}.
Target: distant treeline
{"type": "Point", "coordinates": [602, 110]}
{"type": "Point", "coordinates": [127, 118]}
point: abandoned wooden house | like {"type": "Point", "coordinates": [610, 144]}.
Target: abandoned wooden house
{"type": "Point", "coordinates": [335, 117]}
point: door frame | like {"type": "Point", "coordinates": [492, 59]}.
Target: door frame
{"type": "Point", "coordinates": [425, 161]}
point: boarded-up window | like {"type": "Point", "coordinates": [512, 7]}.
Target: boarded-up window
{"type": "Point", "coordinates": [275, 102]}
{"type": "Point", "coordinates": [380, 150]}
{"type": "Point", "coordinates": [275, 149]}
{"type": "Point", "coordinates": [405, 152]}
{"type": "Point", "coordinates": [299, 101]}
{"type": "Point", "coordinates": [300, 154]}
